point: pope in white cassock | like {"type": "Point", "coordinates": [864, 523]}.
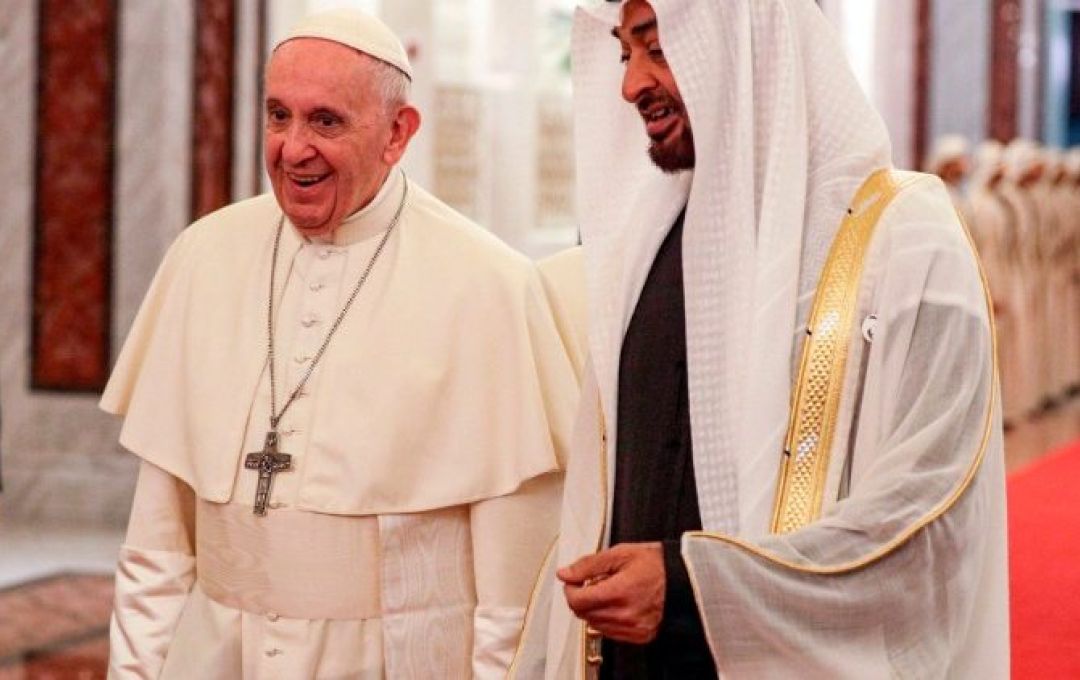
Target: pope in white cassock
{"type": "Point", "coordinates": [350, 403]}
{"type": "Point", "coordinates": [787, 462]}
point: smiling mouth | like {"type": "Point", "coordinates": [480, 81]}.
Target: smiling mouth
{"type": "Point", "coordinates": [659, 122]}
{"type": "Point", "coordinates": [306, 181]}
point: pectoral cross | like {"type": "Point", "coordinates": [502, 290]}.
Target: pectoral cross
{"type": "Point", "coordinates": [268, 462]}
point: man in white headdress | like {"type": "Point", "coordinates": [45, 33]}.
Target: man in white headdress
{"type": "Point", "coordinates": [1057, 211]}
{"type": "Point", "coordinates": [992, 225]}
{"type": "Point", "coordinates": [1023, 172]}
{"type": "Point", "coordinates": [1071, 193]}
{"type": "Point", "coordinates": [763, 270]}
{"type": "Point", "coordinates": [350, 403]}
{"type": "Point", "coordinates": [949, 160]}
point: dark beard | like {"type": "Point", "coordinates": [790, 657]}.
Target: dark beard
{"type": "Point", "coordinates": [675, 156]}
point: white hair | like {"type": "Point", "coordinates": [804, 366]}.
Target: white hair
{"type": "Point", "coordinates": [391, 83]}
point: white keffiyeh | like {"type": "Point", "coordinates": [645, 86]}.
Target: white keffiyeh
{"type": "Point", "coordinates": [904, 573]}
{"type": "Point", "coordinates": [783, 138]}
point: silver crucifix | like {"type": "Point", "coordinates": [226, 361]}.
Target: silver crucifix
{"type": "Point", "coordinates": [268, 462]}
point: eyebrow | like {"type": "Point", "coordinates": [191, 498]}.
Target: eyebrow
{"type": "Point", "coordinates": [636, 31]}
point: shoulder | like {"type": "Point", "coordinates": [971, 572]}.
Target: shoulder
{"type": "Point", "coordinates": [923, 199]}
{"type": "Point", "coordinates": [563, 276]}
{"type": "Point", "coordinates": [237, 220]}
{"type": "Point", "coordinates": [451, 241]}
{"type": "Point", "coordinates": [923, 215]}
{"type": "Point", "coordinates": [224, 238]}
{"type": "Point", "coordinates": [924, 250]}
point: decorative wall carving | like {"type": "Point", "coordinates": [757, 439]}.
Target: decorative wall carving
{"type": "Point", "coordinates": [72, 250]}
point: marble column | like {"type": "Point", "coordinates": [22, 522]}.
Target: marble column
{"type": "Point", "coordinates": [960, 65]}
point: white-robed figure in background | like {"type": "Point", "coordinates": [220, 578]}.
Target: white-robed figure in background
{"type": "Point", "coordinates": [950, 160]}
{"type": "Point", "coordinates": [1023, 171]}
{"type": "Point", "coordinates": [351, 404]}
{"type": "Point", "coordinates": [1055, 197]}
{"type": "Point", "coordinates": [993, 231]}
{"type": "Point", "coordinates": [860, 534]}
{"type": "Point", "coordinates": [1071, 196]}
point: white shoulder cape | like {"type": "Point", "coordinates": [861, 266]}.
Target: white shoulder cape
{"type": "Point", "coordinates": [448, 384]}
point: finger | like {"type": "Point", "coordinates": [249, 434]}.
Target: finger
{"type": "Point", "coordinates": [610, 592]}
{"type": "Point", "coordinates": [592, 567]}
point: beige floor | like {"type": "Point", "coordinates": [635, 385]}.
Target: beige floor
{"type": "Point", "coordinates": [28, 553]}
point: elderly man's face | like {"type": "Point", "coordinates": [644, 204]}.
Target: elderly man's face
{"type": "Point", "coordinates": [650, 85]}
{"type": "Point", "coordinates": [327, 133]}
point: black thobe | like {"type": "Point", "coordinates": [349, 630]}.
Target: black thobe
{"type": "Point", "coordinates": [655, 495]}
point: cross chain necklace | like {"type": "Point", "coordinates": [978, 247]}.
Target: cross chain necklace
{"type": "Point", "coordinates": [269, 461]}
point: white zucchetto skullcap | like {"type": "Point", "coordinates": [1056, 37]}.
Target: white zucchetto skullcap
{"type": "Point", "coordinates": [355, 29]}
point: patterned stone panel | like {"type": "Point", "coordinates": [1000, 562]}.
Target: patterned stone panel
{"type": "Point", "coordinates": [212, 121]}
{"type": "Point", "coordinates": [555, 162]}
{"type": "Point", "coordinates": [457, 148]}
{"type": "Point", "coordinates": [74, 187]}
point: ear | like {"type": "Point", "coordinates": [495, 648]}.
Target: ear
{"type": "Point", "coordinates": [405, 123]}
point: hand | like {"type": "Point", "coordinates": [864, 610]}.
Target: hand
{"type": "Point", "coordinates": [619, 592]}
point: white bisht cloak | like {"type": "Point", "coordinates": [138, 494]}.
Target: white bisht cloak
{"type": "Point", "coordinates": [905, 573]}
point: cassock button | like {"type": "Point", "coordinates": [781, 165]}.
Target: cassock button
{"type": "Point", "coordinates": [273, 652]}
{"type": "Point", "coordinates": [274, 505]}
{"type": "Point", "coordinates": [316, 287]}
{"type": "Point", "coordinates": [301, 358]}
{"type": "Point", "coordinates": [325, 253]}
{"type": "Point", "coordinates": [309, 320]}
{"type": "Point", "coordinates": [272, 616]}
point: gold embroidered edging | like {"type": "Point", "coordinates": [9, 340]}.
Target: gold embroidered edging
{"type": "Point", "coordinates": [933, 515]}
{"type": "Point", "coordinates": [590, 656]}
{"type": "Point", "coordinates": [818, 389]}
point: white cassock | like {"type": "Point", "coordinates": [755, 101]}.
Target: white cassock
{"type": "Point", "coordinates": [426, 449]}
{"type": "Point", "coordinates": [903, 574]}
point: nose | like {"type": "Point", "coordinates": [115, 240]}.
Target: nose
{"type": "Point", "coordinates": [296, 148]}
{"type": "Point", "coordinates": [637, 80]}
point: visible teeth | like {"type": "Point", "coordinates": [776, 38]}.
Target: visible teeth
{"type": "Point", "coordinates": [307, 181]}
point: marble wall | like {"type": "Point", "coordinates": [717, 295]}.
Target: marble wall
{"type": "Point", "coordinates": [60, 459]}
{"type": "Point", "coordinates": [961, 69]}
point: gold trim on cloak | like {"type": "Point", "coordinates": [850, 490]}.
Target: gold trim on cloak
{"type": "Point", "coordinates": [818, 389]}
{"type": "Point", "coordinates": [591, 640]}
{"type": "Point", "coordinates": [904, 536]}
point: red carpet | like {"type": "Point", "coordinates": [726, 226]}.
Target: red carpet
{"type": "Point", "coordinates": [1044, 567]}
